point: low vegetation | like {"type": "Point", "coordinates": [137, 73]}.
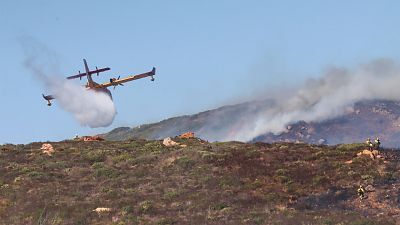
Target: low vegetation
{"type": "Point", "coordinates": [144, 182]}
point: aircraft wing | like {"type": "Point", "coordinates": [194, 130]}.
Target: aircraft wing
{"type": "Point", "coordinates": [129, 78]}
{"type": "Point", "coordinates": [90, 73]}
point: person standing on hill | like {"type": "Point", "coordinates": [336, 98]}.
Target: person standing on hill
{"type": "Point", "coordinates": [369, 144]}
{"type": "Point", "coordinates": [361, 192]}
{"type": "Point", "coordinates": [377, 143]}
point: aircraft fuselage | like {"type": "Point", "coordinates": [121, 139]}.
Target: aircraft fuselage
{"type": "Point", "coordinates": [96, 87]}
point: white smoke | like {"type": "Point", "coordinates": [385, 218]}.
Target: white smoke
{"type": "Point", "coordinates": [90, 108]}
{"type": "Point", "coordinates": [325, 98]}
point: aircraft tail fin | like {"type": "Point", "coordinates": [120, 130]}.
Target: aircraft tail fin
{"type": "Point", "coordinates": [88, 74]}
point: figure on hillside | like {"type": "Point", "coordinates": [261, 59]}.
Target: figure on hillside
{"type": "Point", "coordinates": [369, 144]}
{"type": "Point", "coordinates": [361, 192]}
{"type": "Point", "coordinates": [377, 143]}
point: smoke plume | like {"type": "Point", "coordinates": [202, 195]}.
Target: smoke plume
{"type": "Point", "coordinates": [319, 99]}
{"type": "Point", "coordinates": [90, 108]}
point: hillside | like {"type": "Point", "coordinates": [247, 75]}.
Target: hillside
{"type": "Point", "coordinates": [144, 182]}
{"type": "Point", "coordinates": [212, 125]}
{"type": "Point", "coordinates": [366, 119]}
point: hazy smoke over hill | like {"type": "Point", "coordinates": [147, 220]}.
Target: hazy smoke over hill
{"type": "Point", "coordinates": [90, 108]}
{"type": "Point", "coordinates": [324, 98]}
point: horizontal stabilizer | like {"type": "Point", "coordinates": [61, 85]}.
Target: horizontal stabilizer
{"type": "Point", "coordinates": [90, 73]}
{"type": "Point", "coordinates": [48, 97]}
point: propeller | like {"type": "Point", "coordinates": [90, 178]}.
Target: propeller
{"type": "Point", "coordinates": [115, 85]}
{"type": "Point", "coordinates": [79, 72]}
{"type": "Point", "coordinates": [97, 72]}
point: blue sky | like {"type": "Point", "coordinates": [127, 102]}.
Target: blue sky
{"type": "Point", "coordinates": [207, 53]}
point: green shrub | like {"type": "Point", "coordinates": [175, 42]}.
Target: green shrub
{"type": "Point", "coordinates": [318, 180]}
{"type": "Point", "coordinates": [95, 156]}
{"type": "Point", "coordinates": [292, 188]}
{"type": "Point", "coordinates": [25, 170]}
{"type": "Point", "coordinates": [256, 184]}
{"type": "Point", "coordinates": [124, 157]}
{"type": "Point", "coordinates": [57, 165]}
{"type": "Point", "coordinates": [281, 172]}
{"type": "Point", "coordinates": [127, 209]}
{"type": "Point", "coordinates": [185, 162]}
{"type": "Point", "coordinates": [106, 172]}
{"type": "Point", "coordinates": [258, 220]}
{"type": "Point", "coordinates": [166, 221]}
{"type": "Point", "coordinates": [272, 198]}
{"type": "Point", "coordinates": [219, 206]}
{"type": "Point", "coordinates": [228, 181]}
{"type": "Point", "coordinates": [353, 146]}
{"type": "Point", "coordinates": [146, 206]}
{"type": "Point", "coordinates": [154, 146]}
{"type": "Point", "coordinates": [209, 157]}
{"type": "Point", "coordinates": [253, 154]}
{"type": "Point", "coordinates": [36, 174]}
{"type": "Point", "coordinates": [311, 157]}
{"type": "Point", "coordinates": [283, 179]}
{"type": "Point", "coordinates": [98, 165]}
{"type": "Point", "coordinates": [171, 194]}
{"type": "Point", "coordinates": [366, 177]}
{"type": "Point", "coordinates": [351, 173]}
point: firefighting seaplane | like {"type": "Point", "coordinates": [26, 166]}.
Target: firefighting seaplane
{"type": "Point", "coordinates": [91, 85]}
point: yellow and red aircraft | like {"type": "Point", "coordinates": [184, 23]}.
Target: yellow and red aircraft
{"type": "Point", "coordinates": [91, 85]}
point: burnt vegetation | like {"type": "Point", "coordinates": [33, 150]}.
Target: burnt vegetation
{"type": "Point", "coordinates": [144, 182]}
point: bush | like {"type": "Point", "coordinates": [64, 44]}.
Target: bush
{"type": "Point", "coordinates": [351, 173]}
{"type": "Point", "coordinates": [36, 174]}
{"type": "Point", "coordinates": [171, 195]}
{"type": "Point", "coordinates": [272, 197]}
{"type": "Point", "coordinates": [146, 206]}
{"type": "Point", "coordinates": [209, 157]}
{"type": "Point", "coordinates": [318, 180]}
{"type": "Point", "coordinates": [256, 184]}
{"type": "Point", "coordinates": [25, 170]}
{"type": "Point", "coordinates": [366, 177]}
{"type": "Point", "coordinates": [95, 156]}
{"type": "Point", "coordinates": [219, 206]}
{"type": "Point", "coordinates": [154, 146]}
{"type": "Point", "coordinates": [281, 172]}
{"type": "Point", "coordinates": [185, 162]}
{"type": "Point", "coordinates": [104, 171]}
{"type": "Point", "coordinates": [283, 179]}
{"type": "Point", "coordinates": [166, 221]}
{"type": "Point", "coordinates": [258, 220]}
{"type": "Point", "coordinates": [127, 209]}
{"type": "Point", "coordinates": [292, 188]}
{"type": "Point", "coordinates": [349, 147]}
{"type": "Point", "coordinates": [97, 165]}
{"type": "Point", "coordinates": [124, 157]}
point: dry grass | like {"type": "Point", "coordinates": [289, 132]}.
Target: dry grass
{"type": "Point", "coordinates": [144, 182]}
